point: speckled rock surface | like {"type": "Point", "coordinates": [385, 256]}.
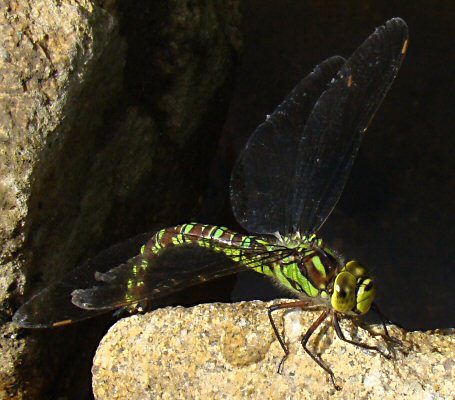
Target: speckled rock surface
{"type": "Point", "coordinates": [53, 60]}
{"type": "Point", "coordinates": [97, 100]}
{"type": "Point", "coordinates": [228, 351]}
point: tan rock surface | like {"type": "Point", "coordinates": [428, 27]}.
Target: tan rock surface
{"type": "Point", "coordinates": [97, 100]}
{"type": "Point", "coordinates": [228, 351]}
{"type": "Point", "coordinates": [54, 58]}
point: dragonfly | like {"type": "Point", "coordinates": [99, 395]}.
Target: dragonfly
{"type": "Point", "coordinates": [283, 187]}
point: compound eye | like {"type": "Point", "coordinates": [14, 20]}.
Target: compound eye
{"type": "Point", "coordinates": [343, 296]}
{"type": "Point", "coordinates": [355, 268]}
{"type": "Point", "coordinates": [366, 293]}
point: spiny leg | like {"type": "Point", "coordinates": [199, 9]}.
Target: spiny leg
{"type": "Point", "coordinates": [340, 334]}
{"type": "Point", "coordinates": [317, 359]}
{"type": "Point", "coordinates": [294, 304]}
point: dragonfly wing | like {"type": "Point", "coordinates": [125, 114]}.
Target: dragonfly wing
{"type": "Point", "coordinates": [262, 182]}
{"type": "Point", "coordinates": [53, 307]}
{"type": "Point", "coordinates": [156, 276]}
{"type": "Point", "coordinates": [335, 128]}
{"type": "Point", "coordinates": [33, 314]}
{"type": "Point", "coordinates": [295, 165]}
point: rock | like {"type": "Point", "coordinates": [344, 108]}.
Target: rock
{"type": "Point", "coordinates": [228, 351]}
{"type": "Point", "coordinates": [103, 107]}
{"type": "Point", "coordinates": [54, 85]}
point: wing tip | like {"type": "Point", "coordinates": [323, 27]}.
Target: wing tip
{"type": "Point", "coordinates": [23, 321]}
{"type": "Point", "coordinates": [19, 319]}
{"type": "Point", "coordinates": [398, 28]}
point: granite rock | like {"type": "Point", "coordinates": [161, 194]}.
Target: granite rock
{"type": "Point", "coordinates": [103, 105]}
{"type": "Point", "coordinates": [228, 351]}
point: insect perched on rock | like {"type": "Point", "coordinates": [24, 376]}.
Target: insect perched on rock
{"type": "Point", "coordinates": [283, 187]}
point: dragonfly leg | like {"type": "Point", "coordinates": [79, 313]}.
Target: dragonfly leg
{"type": "Point", "coordinates": [387, 338]}
{"type": "Point", "coordinates": [384, 319]}
{"type": "Point", "coordinates": [317, 359]}
{"type": "Point", "coordinates": [340, 334]}
{"type": "Point", "coordinates": [294, 304]}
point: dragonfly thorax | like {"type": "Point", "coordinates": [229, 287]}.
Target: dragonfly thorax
{"type": "Point", "coordinates": [297, 240]}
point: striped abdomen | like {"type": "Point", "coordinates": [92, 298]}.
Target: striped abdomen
{"type": "Point", "coordinates": [302, 266]}
{"type": "Point", "coordinates": [248, 250]}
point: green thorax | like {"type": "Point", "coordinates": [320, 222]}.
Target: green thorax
{"type": "Point", "coordinates": [299, 263]}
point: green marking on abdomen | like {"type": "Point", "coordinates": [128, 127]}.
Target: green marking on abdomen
{"type": "Point", "coordinates": [241, 250]}
{"type": "Point", "coordinates": [217, 238]}
{"type": "Point", "coordinates": [219, 231]}
{"type": "Point", "coordinates": [187, 228]}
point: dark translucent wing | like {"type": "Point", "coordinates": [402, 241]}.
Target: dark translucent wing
{"type": "Point", "coordinates": [295, 165]}
{"type": "Point", "coordinates": [334, 130]}
{"type": "Point", "coordinates": [53, 307]}
{"type": "Point", "coordinates": [263, 179]}
{"type": "Point", "coordinates": [148, 278]}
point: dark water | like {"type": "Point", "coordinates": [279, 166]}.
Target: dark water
{"type": "Point", "coordinates": [396, 214]}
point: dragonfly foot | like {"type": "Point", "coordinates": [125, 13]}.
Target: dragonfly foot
{"type": "Point", "coordinates": [280, 365]}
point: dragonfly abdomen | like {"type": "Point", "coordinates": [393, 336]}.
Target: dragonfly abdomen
{"type": "Point", "coordinates": [238, 247]}
{"type": "Point", "coordinates": [194, 233]}
{"type": "Point", "coordinates": [252, 252]}
{"type": "Point", "coordinates": [297, 269]}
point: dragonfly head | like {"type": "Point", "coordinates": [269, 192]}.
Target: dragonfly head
{"type": "Point", "coordinates": [353, 289]}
